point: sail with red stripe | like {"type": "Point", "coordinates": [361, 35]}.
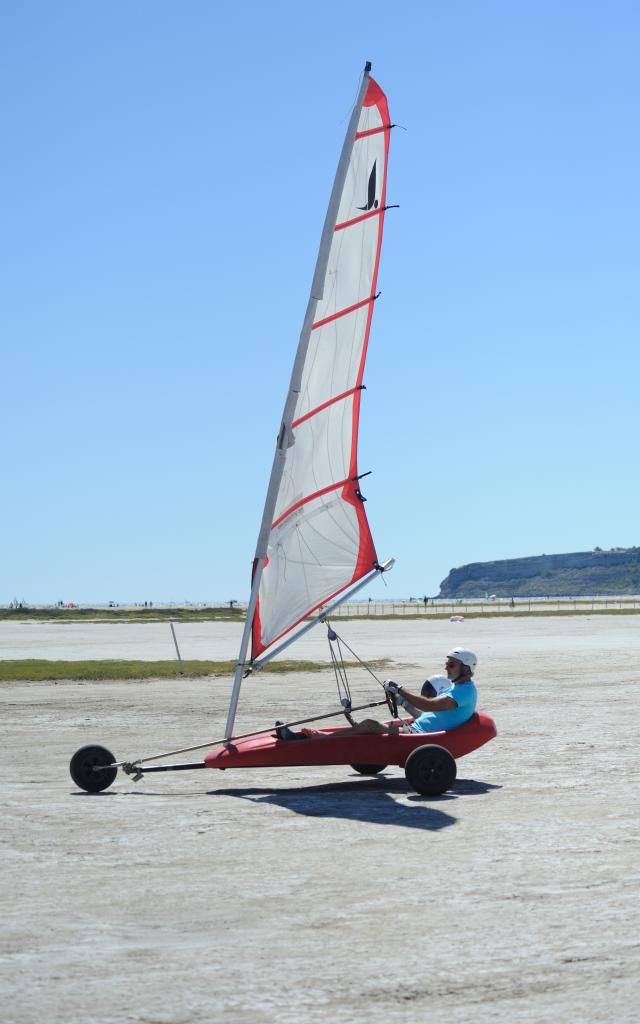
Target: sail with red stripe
{"type": "Point", "coordinates": [316, 541]}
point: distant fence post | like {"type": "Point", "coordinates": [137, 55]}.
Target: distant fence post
{"type": "Point", "coordinates": [173, 633]}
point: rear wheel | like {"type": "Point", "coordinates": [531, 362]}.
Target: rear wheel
{"type": "Point", "coordinates": [430, 770]}
{"type": "Point", "coordinates": [83, 766]}
{"type": "Point", "coordinates": [368, 769]}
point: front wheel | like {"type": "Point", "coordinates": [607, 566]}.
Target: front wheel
{"type": "Point", "coordinates": [89, 768]}
{"type": "Point", "coordinates": [430, 770]}
{"type": "Point", "coordinates": [368, 769]}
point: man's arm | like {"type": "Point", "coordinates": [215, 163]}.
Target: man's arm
{"type": "Point", "coordinates": [442, 703]}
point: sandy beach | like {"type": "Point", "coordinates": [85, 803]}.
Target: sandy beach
{"type": "Point", "coordinates": [314, 894]}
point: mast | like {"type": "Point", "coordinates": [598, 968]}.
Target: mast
{"type": "Point", "coordinates": [284, 435]}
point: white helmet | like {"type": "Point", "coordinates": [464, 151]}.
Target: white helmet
{"type": "Point", "coordinates": [467, 658]}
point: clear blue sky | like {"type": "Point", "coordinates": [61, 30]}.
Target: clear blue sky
{"type": "Point", "coordinates": [165, 173]}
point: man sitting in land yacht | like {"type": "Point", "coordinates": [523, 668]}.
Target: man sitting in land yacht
{"type": "Point", "coordinates": [448, 709]}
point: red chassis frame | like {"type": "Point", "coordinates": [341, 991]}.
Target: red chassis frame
{"type": "Point", "coordinates": [266, 751]}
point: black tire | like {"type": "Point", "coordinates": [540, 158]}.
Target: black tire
{"type": "Point", "coordinates": [430, 770]}
{"type": "Point", "coordinates": [82, 766]}
{"type": "Point", "coordinates": [368, 769]}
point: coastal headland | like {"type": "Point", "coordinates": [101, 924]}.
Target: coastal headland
{"type": "Point", "coordinates": [579, 573]}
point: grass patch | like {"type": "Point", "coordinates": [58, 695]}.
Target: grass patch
{"type": "Point", "coordinates": [33, 670]}
{"type": "Point", "coordinates": [123, 614]}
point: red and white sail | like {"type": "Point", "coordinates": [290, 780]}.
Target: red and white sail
{"type": "Point", "coordinates": [317, 541]}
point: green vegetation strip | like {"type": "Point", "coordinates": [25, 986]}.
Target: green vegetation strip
{"type": "Point", "coordinates": [123, 614]}
{"type": "Point", "coordinates": [29, 670]}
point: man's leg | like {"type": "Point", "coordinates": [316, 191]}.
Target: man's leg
{"type": "Point", "coordinates": [368, 726]}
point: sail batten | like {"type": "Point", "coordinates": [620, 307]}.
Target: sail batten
{"type": "Point", "coordinates": [373, 131]}
{"type": "Point", "coordinates": [343, 312]}
{"type": "Point", "coordinates": [357, 220]}
{"type": "Point", "coordinates": [310, 497]}
{"type": "Point", "coordinates": [330, 401]}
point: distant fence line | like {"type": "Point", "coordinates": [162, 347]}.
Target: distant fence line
{"type": "Point", "coordinates": [504, 606]}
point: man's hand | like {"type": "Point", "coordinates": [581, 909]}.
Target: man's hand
{"type": "Point", "coordinates": [391, 687]}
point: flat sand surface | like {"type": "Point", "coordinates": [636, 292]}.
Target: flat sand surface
{"type": "Point", "coordinates": [315, 894]}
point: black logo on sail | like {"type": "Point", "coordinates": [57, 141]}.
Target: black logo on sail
{"type": "Point", "coordinates": [372, 202]}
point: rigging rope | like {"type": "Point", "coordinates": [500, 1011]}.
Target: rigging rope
{"type": "Point", "coordinates": [391, 699]}
{"type": "Point", "coordinates": [340, 672]}
{"type": "Point", "coordinates": [351, 651]}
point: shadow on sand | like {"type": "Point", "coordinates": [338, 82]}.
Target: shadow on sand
{"type": "Point", "coordinates": [364, 800]}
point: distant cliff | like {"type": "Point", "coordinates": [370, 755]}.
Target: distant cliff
{"type": "Point", "coordinates": [581, 573]}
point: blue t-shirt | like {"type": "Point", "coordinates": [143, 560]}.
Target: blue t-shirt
{"type": "Point", "coordinates": [465, 696]}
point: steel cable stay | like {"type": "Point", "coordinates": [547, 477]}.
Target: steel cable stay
{"type": "Point", "coordinates": [390, 699]}
{"type": "Point", "coordinates": [340, 671]}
